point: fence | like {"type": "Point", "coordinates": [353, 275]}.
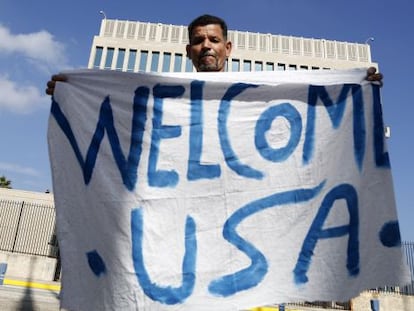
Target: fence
{"type": "Point", "coordinates": [408, 249]}
{"type": "Point", "coordinates": [28, 228]}
{"type": "Point", "coordinates": [331, 305]}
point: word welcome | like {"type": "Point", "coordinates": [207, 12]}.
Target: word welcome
{"type": "Point", "coordinates": [128, 165]}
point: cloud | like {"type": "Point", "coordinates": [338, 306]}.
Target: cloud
{"type": "Point", "coordinates": [38, 46]}
{"type": "Point", "coordinates": [15, 168]}
{"type": "Point", "coordinates": [21, 98]}
{"type": "Point", "coordinates": [37, 50]}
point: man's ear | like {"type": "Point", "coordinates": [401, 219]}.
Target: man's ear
{"type": "Point", "coordinates": [229, 46]}
{"type": "Point", "coordinates": [188, 50]}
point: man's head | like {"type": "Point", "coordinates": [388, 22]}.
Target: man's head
{"type": "Point", "coordinates": [208, 48]}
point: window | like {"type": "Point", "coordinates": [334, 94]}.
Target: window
{"type": "Point", "coordinates": [241, 40]}
{"type": "Point", "coordinates": [184, 36]}
{"type": "Point", "coordinates": [131, 30]}
{"type": "Point", "coordinates": [98, 57]}
{"type": "Point", "coordinates": [292, 67]}
{"type": "Point", "coordinates": [142, 30]}
{"type": "Point", "coordinates": [165, 33]}
{"type": "Point", "coordinates": [341, 50]}
{"type": "Point", "coordinates": [154, 61]}
{"type": "Point", "coordinates": [231, 36]}
{"type": "Point", "coordinates": [318, 48]}
{"type": "Point", "coordinates": [307, 47]}
{"type": "Point", "coordinates": [235, 65]}
{"type": "Point", "coordinates": [178, 60]}
{"type": "Point", "coordinates": [109, 58]}
{"type": "Point", "coordinates": [188, 65]}
{"type": "Point", "coordinates": [296, 46]}
{"type": "Point", "coordinates": [285, 45]}
{"type": "Point", "coordinates": [131, 60]}
{"type": "Point", "coordinates": [263, 43]}
{"type": "Point", "coordinates": [252, 41]}
{"type": "Point", "coordinates": [247, 65]}
{"type": "Point", "coordinates": [330, 49]}
{"type": "Point", "coordinates": [258, 66]}
{"type": "Point", "coordinates": [120, 60]}
{"type": "Point", "coordinates": [166, 62]}
{"type": "Point", "coordinates": [352, 52]}
{"type": "Point", "coordinates": [175, 33]}
{"type": "Point", "coordinates": [363, 53]}
{"type": "Point", "coordinates": [275, 44]}
{"type": "Point", "coordinates": [120, 29]}
{"type": "Point", "coordinates": [152, 32]}
{"type": "Point", "coordinates": [143, 61]}
{"type": "Point", "coordinates": [281, 66]}
{"type": "Point", "coordinates": [109, 28]}
{"type": "Point", "coordinates": [270, 66]}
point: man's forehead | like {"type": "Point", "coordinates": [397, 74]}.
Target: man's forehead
{"type": "Point", "coordinates": [209, 28]}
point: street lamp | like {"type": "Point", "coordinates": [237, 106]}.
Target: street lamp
{"type": "Point", "coordinates": [370, 39]}
{"type": "Point", "coordinates": [103, 13]}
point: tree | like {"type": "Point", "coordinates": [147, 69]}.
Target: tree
{"type": "Point", "coordinates": [4, 182]}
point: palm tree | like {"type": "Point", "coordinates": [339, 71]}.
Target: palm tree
{"type": "Point", "coordinates": [4, 182]}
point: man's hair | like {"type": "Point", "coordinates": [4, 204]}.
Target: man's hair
{"type": "Point", "coordinates": [205, 20]}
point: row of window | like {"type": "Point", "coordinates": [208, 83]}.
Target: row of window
{"type": "Point", "coordinates": [243, 40]}
{"type": "Point", "coordinates": [246, 65]}
{"type": "Point", "coordinates": [121, 59]}
{"type": "Point", "coordinates": [154, 61]}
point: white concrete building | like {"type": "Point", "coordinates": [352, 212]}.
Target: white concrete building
{"type": "Point", "coordinates": [27, 231]}
{"type": "Point", "coordinates": [141, 46]}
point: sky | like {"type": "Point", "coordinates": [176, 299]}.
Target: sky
{"type": "Point", "coordinates": [40, 38]}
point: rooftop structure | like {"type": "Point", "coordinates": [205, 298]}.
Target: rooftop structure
{"type": "Point", "coordinates": [154, 47]}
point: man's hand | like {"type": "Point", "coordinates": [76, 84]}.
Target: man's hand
{"type": "Point", "coordinates": [374, 76]}
{"type": "Point", "coordinates": [52, 83]}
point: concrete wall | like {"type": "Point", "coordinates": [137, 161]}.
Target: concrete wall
{"type": "Point", "coordinates": [28, 267]}
{"type": "Point", "coordinates": [387, 302]}
{"type": "Point", "coordinates": [29, 196]}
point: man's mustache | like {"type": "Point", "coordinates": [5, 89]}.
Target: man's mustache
{"type": "Point", "coordinates": [207, 53]}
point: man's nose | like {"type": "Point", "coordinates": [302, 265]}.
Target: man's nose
{"type": "Point", "coordinates": [206, 44]}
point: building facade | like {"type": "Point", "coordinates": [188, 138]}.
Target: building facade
{"type": "Point", "coordinates": [28, 244]}
{"type": "Point", "coordinates": [153, 47]}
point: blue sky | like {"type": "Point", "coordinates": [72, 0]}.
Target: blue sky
{"type": "Point", "coordinates": [39, 38]}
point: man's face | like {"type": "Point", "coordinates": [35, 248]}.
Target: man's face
{"type": "Point", "coordinates": [208, 49]}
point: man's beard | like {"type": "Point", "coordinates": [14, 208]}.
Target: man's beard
{"type": "Point", "coordinates": [211, 66]}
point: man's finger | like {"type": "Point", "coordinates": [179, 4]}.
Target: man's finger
{"type": "Point", "coordinates": [59, 77]}
{"type": "Point", "coordinates": [375, 77]}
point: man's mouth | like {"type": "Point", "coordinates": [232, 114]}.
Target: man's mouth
{"type": "Point", "coordinates": [207, 55]}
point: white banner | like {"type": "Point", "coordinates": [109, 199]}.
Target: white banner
{"type": "Point", "coordinates": [221, 191]}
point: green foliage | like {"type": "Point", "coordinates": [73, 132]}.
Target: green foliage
{"type": "Point", "coordinates": [5, 183]}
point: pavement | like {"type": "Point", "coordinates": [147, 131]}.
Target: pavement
{"type": "Point", "coordinates": [29, 295]}
{"type": "Point", "coordinates": [53, 286]}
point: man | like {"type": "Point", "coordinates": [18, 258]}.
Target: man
{"type": "Point", "coordinates": [208, 49]}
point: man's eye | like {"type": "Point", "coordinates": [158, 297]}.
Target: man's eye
{"type": "Point", "coordinates": [196, 41]}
